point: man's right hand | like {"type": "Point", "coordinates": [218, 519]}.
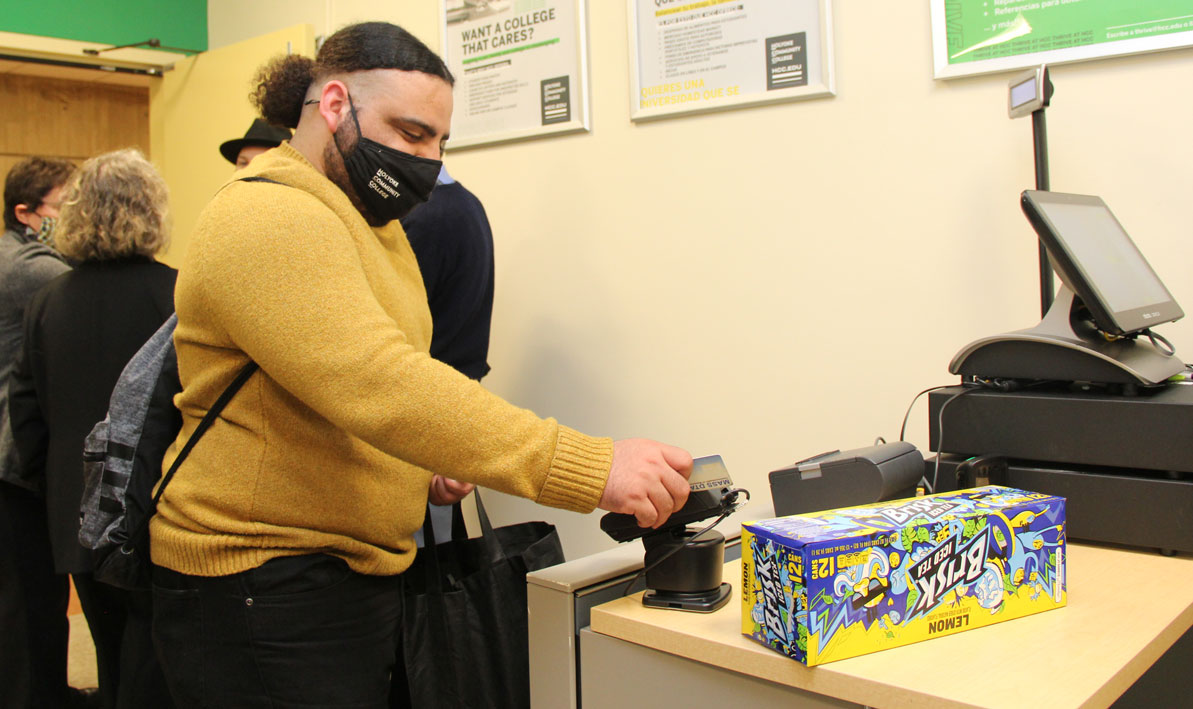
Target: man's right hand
{"type": "Point", "coordinates": [649, 480]}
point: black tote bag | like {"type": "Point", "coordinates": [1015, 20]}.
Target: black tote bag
{"type": "Point", "coordinates": [464, 637]}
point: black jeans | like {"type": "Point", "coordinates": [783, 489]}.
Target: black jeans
{"type": "Point", "coordinates": [302, 631]}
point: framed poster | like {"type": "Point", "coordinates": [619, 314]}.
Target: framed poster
{"type": "Point", "coordinates": [521, 68]}
{"type": "Point", "coordinates": [983, 36]}
{"type": "Point", "coordinates": [701, 55]}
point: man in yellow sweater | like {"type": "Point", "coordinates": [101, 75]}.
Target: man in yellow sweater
{"type": "Point", "coordinates": [280, 542]}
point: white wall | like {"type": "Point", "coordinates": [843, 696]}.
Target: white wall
{"type": "Point", "coordinates": [769, 283]}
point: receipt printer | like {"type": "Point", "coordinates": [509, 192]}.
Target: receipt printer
{"type": "Point", "coordinates": [847, 478]}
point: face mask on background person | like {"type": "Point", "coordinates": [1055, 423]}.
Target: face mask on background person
{"type": "Point", "coordinates": [388, 181]}
{"type": "Point", "coordinates": [45, 234]}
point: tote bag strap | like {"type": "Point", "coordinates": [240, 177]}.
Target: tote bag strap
{"type": "Point", "coordinates": [494, 552]}
{"type": "Point", "coordinates": [459, 530]}
{"type": "Point", "coordinates": [431, 551]}
{"type": "Point", "coordinates": [493, 549]}
{"type": "Point", "coordinates": [459, 535]}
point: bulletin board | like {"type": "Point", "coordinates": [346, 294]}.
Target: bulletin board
{"type": "Point", "coordinates": [983, 36]}
{"type": "Point", "coordinates": [688, 56]}
{"type": "Point", "coordinates": [521, 68]}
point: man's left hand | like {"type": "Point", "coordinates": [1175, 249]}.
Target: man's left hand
{"type": "Point", "coordinates": [446, 491]}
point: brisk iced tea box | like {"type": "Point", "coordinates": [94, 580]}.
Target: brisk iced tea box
{"type": "Point", "coordinates": [829, 585]}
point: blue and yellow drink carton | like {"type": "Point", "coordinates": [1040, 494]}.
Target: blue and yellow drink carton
{"type": "Point", "coordinates": [829, 585]}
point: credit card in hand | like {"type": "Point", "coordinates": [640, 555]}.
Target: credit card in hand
{"type": "Point", "coordinates": [709, 473]}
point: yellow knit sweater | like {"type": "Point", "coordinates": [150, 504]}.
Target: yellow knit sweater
{"type": "Point", "coordinates": [328, 448]}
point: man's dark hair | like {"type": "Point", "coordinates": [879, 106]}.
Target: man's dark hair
{"type": "Point", "coordinates": [28, 183]}
{"type": "Point", "coordinates": [280, 86]}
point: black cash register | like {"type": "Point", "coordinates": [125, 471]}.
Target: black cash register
{"type": "Point", "coordinates": [1091, 404]}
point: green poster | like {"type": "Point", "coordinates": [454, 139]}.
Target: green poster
{"type": "Point", "coordinates": [977, 31]}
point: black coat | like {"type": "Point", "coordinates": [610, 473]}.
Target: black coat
{"type": "Point", "coordinates": [453, 243]}
{"type": "Point", "coordinates": [80, 331]}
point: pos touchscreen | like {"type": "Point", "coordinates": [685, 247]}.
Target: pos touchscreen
{"type": "Point", "coordinates": [1098, 261]}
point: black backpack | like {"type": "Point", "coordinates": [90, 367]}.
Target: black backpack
{"type": "Point", "coordinates": [122, 459]}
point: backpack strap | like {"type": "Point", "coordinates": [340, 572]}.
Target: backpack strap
{"type": "Point", "coordinates": [208, 419]}
{"type": "Point", "coordinates": [252, 178]}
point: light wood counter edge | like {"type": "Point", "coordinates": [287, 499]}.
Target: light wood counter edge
{"type": "Point", "coordinates": [1134, 669]}
{"type": "Point", "coordinates": [877, 680]}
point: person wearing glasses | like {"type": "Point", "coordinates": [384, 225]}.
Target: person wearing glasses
{"type": "Point", "coordinates": [33, 599]}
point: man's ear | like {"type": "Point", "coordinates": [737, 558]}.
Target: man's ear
{"type": "Point", "coordinates": [22, 213]}
{"type": "Point", "coordinates": [333, 104]}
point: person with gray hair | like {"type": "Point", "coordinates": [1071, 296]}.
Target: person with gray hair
{"type": "Point", "coordinates": [79, 332]}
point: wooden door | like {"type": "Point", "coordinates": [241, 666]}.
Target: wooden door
{"type": "Point", "coordinates": [73, 118]}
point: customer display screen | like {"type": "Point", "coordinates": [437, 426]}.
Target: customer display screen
{"type": "Point", "coordinates": [1022, 93]}
{"type": "Point", "coordinates": [1099, 261]}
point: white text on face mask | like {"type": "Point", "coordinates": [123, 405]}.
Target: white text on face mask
{"type": "Point", "coordinates": [384, 185]}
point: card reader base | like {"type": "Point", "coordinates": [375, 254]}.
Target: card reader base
{"type": "Point", "coordinates": [702, 602]}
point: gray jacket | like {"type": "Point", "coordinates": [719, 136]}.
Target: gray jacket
{"type": "Point", "coordinates": [25, 266]}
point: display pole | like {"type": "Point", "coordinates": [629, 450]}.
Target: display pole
{"type": "Point", "coordinates": [1039, 134]}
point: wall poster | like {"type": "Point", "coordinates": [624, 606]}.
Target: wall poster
{"type": "Point", "coordinates": [521, 68]}
{"type": "Point", "coordinates": [699, 55]}
{"type": "Point", "coordinates": [982, 36]}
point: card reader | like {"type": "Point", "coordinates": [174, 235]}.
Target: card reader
{"type": "Point", "coordinates": [709, 483]}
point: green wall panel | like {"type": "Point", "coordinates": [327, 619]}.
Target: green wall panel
{"type": "Point", "coordinates": [177, 23]}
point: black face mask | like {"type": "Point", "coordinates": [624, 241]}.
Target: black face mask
{"type": "Point", "coordinates": [388, 181]}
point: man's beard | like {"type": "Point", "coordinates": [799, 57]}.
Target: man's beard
{"type": "Point", "coordinates": [333, 167]}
